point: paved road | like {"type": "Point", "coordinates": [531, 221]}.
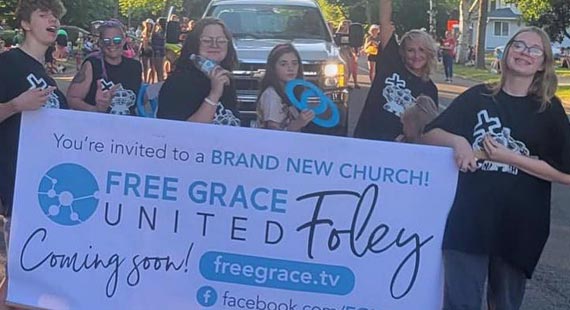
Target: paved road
{"type": "Point", "coordinates": [550, 287]}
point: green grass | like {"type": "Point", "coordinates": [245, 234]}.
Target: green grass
{"type": "Point", "coordinates": [563, 93]}
{"type": "Point", "coordinates": [478, 75]}
{"type": "Point", "coordinates": [563, 73]}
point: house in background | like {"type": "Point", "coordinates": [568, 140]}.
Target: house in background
{"type": "Point", "coordinates": [503, 21]}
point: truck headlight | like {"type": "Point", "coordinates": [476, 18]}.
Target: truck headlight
{"type": "Point", "coordinates": [331, 70]}
{"type": "Point", "coordinates": [334, 75]}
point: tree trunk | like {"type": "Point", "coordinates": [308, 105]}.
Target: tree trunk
{"type": "Point", "coordinates": [465, 32]}
{"type": "Point", "coordinates": [481, 32]}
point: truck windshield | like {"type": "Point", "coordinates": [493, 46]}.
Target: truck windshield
{"type": "Point", "coordinates": [273, 22]}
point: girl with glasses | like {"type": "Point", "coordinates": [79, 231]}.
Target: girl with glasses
{"type": "Point", "coordinates": [107, 82]}
{"type": "Point", "coordinates": [190, 94]}
{"type": "Point", "coordinates": [511, 141]}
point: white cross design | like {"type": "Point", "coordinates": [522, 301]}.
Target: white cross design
{"type": "Point", "coordinates": [106, 85]}
{"type": "Point", "coordinates": [486, 124]}
{"type": "Point", "coordinates": [395, 81]}
{"type": "Point", "coordinates": [35, 82]}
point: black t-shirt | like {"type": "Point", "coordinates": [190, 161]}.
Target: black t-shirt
{"type": "Point", "coordinates": [183, 93]}
{"type": "Point", "coordinates": [393, 90]}
{"type": "Point", "coordinates": [499, 209]}
{"type": "Point", "coordinates": [19, 72]}
{"type": "Point", "coordinates": [128, 73]}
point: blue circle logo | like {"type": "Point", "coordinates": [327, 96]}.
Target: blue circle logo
{"type": "Point", "coordinates": [68, 194]}
{"type": "Point", "coordinates": [311, 90]}
{"type": "Point", "coordinates": [207, 296]}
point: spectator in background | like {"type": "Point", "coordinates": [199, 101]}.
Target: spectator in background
{"type": "Point", "coordinates": [146, 51]}
{"type": "Point", "coordinates": [371, 48]}
{"type": "Point", "coordinates": [470, 56]}
{"type": "Point", "coordinates": [184, 29]}
{"type": "Point", "coordinates": [448, 46]}
{"type": "Point", "coordinates": [138, 32]}
{"type": "Point", "coordinates": [61, 45]}
{"type": "Point", "coordinates": [50, 63]}
{"type": "Point", "coordinates": [18, 38]}
{"type": "Point", "coordinates": [347, 53]}
{"type": "Point", "coordinates": [79, 51]}
{"type": "Point", "coordinates": [496, 65]}
{"type": "Point", "coordinates": [2, 46]}
{"type": "Point", "coordinates": [158, 44]}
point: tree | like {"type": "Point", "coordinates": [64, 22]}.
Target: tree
{"type": "Point", "coordinates": [333, 12]}
{"type": "Point", "coordinates": [481, 32]}
{"type": "Point", "coordinates": [82, 12]}
{"type": "Point", "coordinates": [465, 33]}
{"type": "Point", "coordinates": [7, 8]}
{"type": "Point", "coordinates": [552, 15]}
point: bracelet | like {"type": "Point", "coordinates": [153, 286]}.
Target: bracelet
{"type": "Point", "coordinates": [210, 102]}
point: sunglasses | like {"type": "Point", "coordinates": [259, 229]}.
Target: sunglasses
{"type": "Point", "coordinates": [112, 41]}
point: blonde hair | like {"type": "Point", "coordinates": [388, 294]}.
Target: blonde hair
{"type": "Point", "coordinates": [420, 114]}
{"type": "Point", "coordinates": [544, 82]}
{"type": "Point", "coordinates": [374, 26]}
{"type": "Point", "coordinates": [429, 47]}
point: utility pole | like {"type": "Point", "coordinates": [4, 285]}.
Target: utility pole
{"type": "Point", "coordinates": [432, 13]}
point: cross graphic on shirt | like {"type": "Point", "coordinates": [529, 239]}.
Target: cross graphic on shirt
{"type": "Point", "coordinates": [106, 85]}
{"type": "Point", "coordinates": [35, 82]}
{"type": "Point", "coordinates": [395, 81]}
{"type": "Point", "coordinates": [486, 124]}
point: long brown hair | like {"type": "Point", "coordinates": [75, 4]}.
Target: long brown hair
{"type": "Point", "coordinates": [147, 30]}
{"type": "Point", "coordinates": [544, 82]}
{"type": "Point", "coordinates": [270, 78]}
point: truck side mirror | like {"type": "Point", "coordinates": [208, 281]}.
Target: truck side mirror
{"type": "Point", "coordinates": [356, 35]}
{"type": "Point", "coordinates": [172, 32]}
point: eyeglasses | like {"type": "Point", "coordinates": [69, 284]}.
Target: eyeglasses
{"type": "Point", "coordinates": [112, 41]}
{"type": "Point", "coordinates": [219, 41]}
{"type": "Point", "coordinates": [520, 46]}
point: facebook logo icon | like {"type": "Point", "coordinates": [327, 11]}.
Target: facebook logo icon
{"type": "Point", "coordinates": [207, 296]}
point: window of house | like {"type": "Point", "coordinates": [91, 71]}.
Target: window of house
{"type": "Point", "coordinates": [501, 29]}
{"type": "Point", "coordinates": [493, 5]}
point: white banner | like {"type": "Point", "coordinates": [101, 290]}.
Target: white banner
{"type": "Point", "coordinates": [132, 213]}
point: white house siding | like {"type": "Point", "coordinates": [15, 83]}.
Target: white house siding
{"type": "Point", "coordinates": [493, 40]}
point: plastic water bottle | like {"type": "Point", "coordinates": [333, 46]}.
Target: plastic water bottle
{"type": "Point", "coordinates": [203, 64]}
